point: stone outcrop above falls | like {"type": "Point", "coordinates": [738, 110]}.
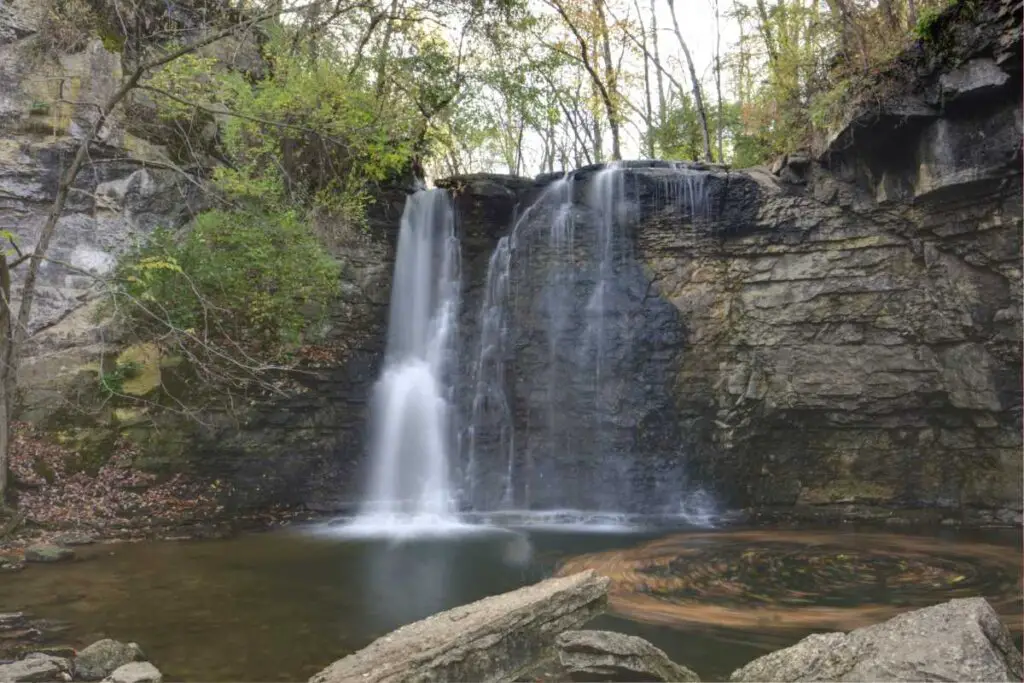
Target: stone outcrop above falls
{"type": "Point", "coordinates": [960, 640]}
{"type": "Point", "coordinates": [494, 639]}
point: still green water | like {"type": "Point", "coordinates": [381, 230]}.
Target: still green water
{"type": "Point", "coordinates": [281, 606]}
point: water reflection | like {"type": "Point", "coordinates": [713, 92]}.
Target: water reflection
{"type": "Point", "coordinates": [282, 606]}
{"type": "Point", "coordinates": [403, 582]}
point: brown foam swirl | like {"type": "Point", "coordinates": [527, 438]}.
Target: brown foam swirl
{"type": "Point", "coordinates": [782, 580]}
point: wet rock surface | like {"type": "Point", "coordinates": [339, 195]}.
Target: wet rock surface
{"type": "Point", "coordinates": [36, 667]}
{"type": "Point", "coordinates": [45, 552]}
{"type": "Point", "coordinates": [135, 672]}
{"type": "Point", "coordinates": [494, 639]}
{"type": "Point", "coordinates": [103, 657]}
{"type": "Point", "coordinates": [960, 640]}
{"type": "Point", "coordinates": [610, 656]}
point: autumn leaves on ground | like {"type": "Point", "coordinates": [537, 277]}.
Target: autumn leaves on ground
{"type": "Point", "coordinates": [55, 494]}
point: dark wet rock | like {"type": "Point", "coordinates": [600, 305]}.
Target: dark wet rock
{"type": "Point", "coordinates": [494, 639]}
{"type": "Point", "coordinates": [135, 672]}
{"type": "Point", "coordinates": [23, 634]}
{"type": "Point", "coordinates": [36, 667]}
{"type": "Point", "coordinates": [100, 659]}
{"type": "Point", "coordinates": [960, 640]}
{"type": "Point", "coordinates": [11, 564]}
{"type": "Point", "coordinates": [46, 552]}
{"type": "Point", "coordinates": [74, 538]}
{"type": "Point", "coordinates": [609, 656]}
{"type": "Point", "coordinates": [12, 620]}
{"type": "Point", "coordinates": [62, 651]}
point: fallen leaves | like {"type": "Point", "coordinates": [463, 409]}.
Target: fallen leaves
{"type": "Point", "coordinates": [117, 497]}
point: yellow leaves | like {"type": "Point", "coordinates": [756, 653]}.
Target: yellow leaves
{"type": "Point", "coordinates": [159, 263]}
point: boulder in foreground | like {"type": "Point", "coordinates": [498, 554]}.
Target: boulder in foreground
{"type": "Point", "coordinates": [135, 672]}
{"type": "Point", "coordinates": [47, 552]}
{"type": "Point", "coordinates": [490, 640]}
{"type": "Point", "coordinates": [960, 640]}
{"type": "Point", "coordinates": [609, 656]}
{"type": "Point", "coordinates": [103, 657]}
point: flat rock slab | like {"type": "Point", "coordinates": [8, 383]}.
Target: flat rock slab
{"type": "Point", "coordinates": [36, 668]}
{"type": "Point", "coordinates": [959, 640]}
{"type": "Point", "coordinates": [135, 672]}
{"type": "Point", "coordinates": [610, 656]}
{"type": "Point", "coordinates": [45, 552]}
{"type": "Point", "coordinates": [490, 640]}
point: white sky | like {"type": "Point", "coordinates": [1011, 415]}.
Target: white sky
{"type": "Point", "coordinates": [697, 25]}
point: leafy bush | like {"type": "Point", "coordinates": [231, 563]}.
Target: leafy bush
{"type": "Point", "coordinates": [250, 280]}
{"type": "Point", "coordinates": [310, 134]}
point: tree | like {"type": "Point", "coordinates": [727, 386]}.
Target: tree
{"type": "Point", "coordinates": [698, 95]}
{"type": "Point", "coordinates": [14, 330]}
{"type": "Point", "coordinates": [577, 19]}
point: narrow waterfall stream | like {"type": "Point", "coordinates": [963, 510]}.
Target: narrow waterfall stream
{"type": "Point", "coordinates": [410, 477]}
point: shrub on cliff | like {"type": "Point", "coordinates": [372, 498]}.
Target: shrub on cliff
{"type": "Point", "coordinates": [253, 281]}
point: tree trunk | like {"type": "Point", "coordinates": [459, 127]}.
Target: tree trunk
{"type": "Point", "coordinates": [6, 376]}
{"type": "Point", "coordinates": [718, 83]}
{"type": "Point", "coordinates": [382, 55]}
{"type": "Point", "coordinates": [657, 65]}
{"type": "Point", "coordinates": [611, 92]}
{"type": "Point", "coordinates": [698, 97]}
{"type": "Point", "coordinates": [604, 90]}
{"type": "Point", "coordinates": [648, 107]}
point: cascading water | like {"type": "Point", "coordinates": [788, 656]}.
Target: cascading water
{"type": "Point", "coordinates": [491, 424]}
{"type": "Point", "coordinates": [565, 402]}
{"type": "Point", "coordinates": [410, 478]}
{"type": "Point", "coordinates": [567, 386]}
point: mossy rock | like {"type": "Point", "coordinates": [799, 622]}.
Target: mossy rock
{"type": "Point", "coordinates": [145, 360]}
{"type": "Point", "coordinates": [128, 417]}
{"type": "Point", "coordinates": [846, 491]}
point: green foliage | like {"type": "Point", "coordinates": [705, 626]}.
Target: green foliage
{"type": "Point", "coordinates": [829, 106]}
{"type": "Point", "coordinates": [927, 19]}
{"type": "Point", "coordinates": [325, 130]}
{"type": "Point", "coordinates": [251, 280]}
{"type": "Point", "coordinates": [310, 134]}
{"type": "Point", "coordinates": [112, 383]}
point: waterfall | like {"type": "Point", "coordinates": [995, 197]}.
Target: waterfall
{"type": "Point", "coordinates": [564, 375]}
{"type": "Point", "coordinates": [566, 369]}
{"type": "Point", "coordinates": [410, 477]}
{"type": "Point", "coordinates": [490, 410]}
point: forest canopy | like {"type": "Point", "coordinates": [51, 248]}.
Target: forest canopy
{"type": "Point", "coordinates": [303, 108]}
{"type": "Point", "coordinates": [351, 90]}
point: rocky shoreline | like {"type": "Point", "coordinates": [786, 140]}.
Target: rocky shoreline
{"type": "Point", "coordinates": [105, 660]}
{"type": "Point", "coordinates": [539, 633]}
{"type": "Point", "coordinates": [533, 634]}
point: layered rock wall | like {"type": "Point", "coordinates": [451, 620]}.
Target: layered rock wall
{"type": "Point", "coordinates": [849, 321]}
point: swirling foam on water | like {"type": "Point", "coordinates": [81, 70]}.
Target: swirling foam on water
{"type": "Point", "coordinates": [793, 580]}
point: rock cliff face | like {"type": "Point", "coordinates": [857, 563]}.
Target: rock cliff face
{"type": "Point", "coordinates": [841, 330]}
{"type": "Point", "coordinates": [285, 450]}
{"type": "Point", "coordinates": [844, 331]}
